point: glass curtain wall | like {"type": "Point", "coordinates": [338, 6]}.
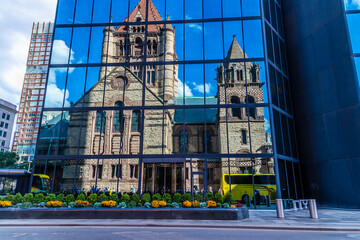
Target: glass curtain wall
{"type": "Point", "coordinates": [169, 96]}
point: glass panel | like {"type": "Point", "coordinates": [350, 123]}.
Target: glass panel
{"type": "Point", "coordinates": [231, 8]}
{"type": "Point", "coordinates": [260, 130]}
{"type": "Point", "coordinates": [283, 179]}
{"type": "Point", "coordinates": [253, 42]}
{"type": "Point", "coordinates": [193, 9]}
{"type": "Point", "coordinates": [83, 11]}
{"type": "Point", "coordinates": [298, 181]}
{"type": "Point", "coordinates": [75, 87]}
{"type": "Point", "coordinates": [250, 8]}
{"type": "Point", "coordinates": [211, 88]}
{"type": "Point", "coordinates": [175, 9]}
{"type": "Point", "coordinates": [120, 10]}
{"type": "Point", "coordinates": [101, 12]}
{"type": "Point", "coordinates": [291, 180]}
{"type": "Point", "coordinates": [65, 12]}
{"type": "Point", "coordinates": [357, 64]}
{"type": "Point", "coordinates": [124, 85]}
{"type": "Point", "coordinates": [233, 43]}
{"type": "Point", "coordinates": [193, 41]}
{"type": "Point", "coordinates": [55, 88]}
{"type": "Point", "coordinates": [49, 133]}
{"type": "Point", "coordinates": [156, 139]}
{"type": "Point", "coordinates": [353, 22]}
{"type": "Point", "coordinates": [80, 45]}
{"type": "Point", "coordinates": [96, 45]}
{"type": "Point", "coordinates": [156, 10]}
{"type": "Point", "coordinates": [285, 132]}
{"type": "Point", "coordinates": [278, 134]}
{"type": "Point", "coordinates": [213, 41]}
{"type": "Point", "coordinates": [61, 47]}
{"type": "Point", "coordinates": [212, 9]}
{"type": "Point", "coordinates": [94, 89]}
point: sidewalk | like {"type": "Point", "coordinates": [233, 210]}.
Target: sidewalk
{"type": "Point", "coordinates": [329, 220]}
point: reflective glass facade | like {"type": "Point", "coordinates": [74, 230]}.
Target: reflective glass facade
{"type": "Point", "coordinates": [169, 96]}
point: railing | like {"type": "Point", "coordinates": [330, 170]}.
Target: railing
{"type": "Point", "coordinates": [296, 205]}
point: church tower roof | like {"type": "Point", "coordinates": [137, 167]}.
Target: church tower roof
{"type": "Point", "coordinates": [235, 50]}
{"type": "Point", "coordinates": [153, 15]}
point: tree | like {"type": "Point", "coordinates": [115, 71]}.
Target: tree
{"type": "Point", "coordinates": [8, 159]}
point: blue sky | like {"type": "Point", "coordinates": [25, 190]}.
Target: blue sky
{"type": "Point", "coordinates": [16, 18]}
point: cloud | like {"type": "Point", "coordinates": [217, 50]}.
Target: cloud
{"type": "Point", "coordinates": [54, 96]}
{"type": "Point", "coordinates": [352, 2]}
{"type": "Point", "coordinates": [200, 88]}
{"type": "Point", "coordinates": [60, 53]}
{"type": "Point", "coordinates": [188, 92]}
{"type": "Point", "coordinates": [267, 125]}
{"type": "Point", "coordinates": [195, 26]}
{"type": "Point", "coordinates": [16, 19]}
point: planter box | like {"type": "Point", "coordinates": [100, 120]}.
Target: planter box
{"type": "Point", "coordinates": [134, 213]}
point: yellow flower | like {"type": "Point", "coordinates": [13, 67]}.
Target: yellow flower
{"type": "Point", "coordinates": [211, 204]}
{"type": "Point", "coordinates": [5, 204]}
{"type": "Point", "coordinates": [187, 204]}
{"type": "Point", "coordinates": [110, 203]}
{"type": "Point", "coordinates": [162, 204]}
{"type": "Point", "coordinates": [155, 204]}
{"type": "Point", "coordinates": [195, 204]}
{"type": "Point", "coordinates": [53, 204]}
{"type": "Point", "coordinates": [80, 203]}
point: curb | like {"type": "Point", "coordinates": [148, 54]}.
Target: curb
{"type": "Point", "coordinates": [263, 227]}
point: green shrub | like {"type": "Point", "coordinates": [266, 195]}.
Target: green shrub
{"type": "Point", "coordinates": [69, 198]}
{"type": "Point", "coordinates": [119, 195]}
{"type": "Point", "coordinates": [131, 204]}
{"type": "Point", "coordinates": [219, 205]}
{"type": "Point", "coordinates": [177, 198]}
{"type": "Point", "coordinates": [167, 198]}
{"type": "Point", "coordinates": [17, 199]}
{"type": "Point", "coordinates": [39, 198]}
{"type": "Point", "coordinates": [209, 197]}
{"type": "Point", "coordinates": [229, 199]}
{"type": "Point", "coordinates": [103, 197]}
{"type": "Point", "coordinates": [198, 197]}
{"type": "Point", "coordinates": [26, 205]}
{"type": "Point", "coordinates": [60, 197]}
{"type": "Point", "coordinates": [157, 196]}
{"type": "Point", "coordinates": [50, 197]}
{"type": "Point", "coordinates": [8, 197]}
{"type": "Point", "coordinates": [125, 198]}
{"type": "Point", "coordinates": [114, 197]}
{"type": "Point", "coordinates": [81, 197]}
{"type": "Point", "coordinates": [122, 205]}
{"type": "Point", "coordinates": [186, 197]}
{"type": "Point", "coordinates": [135, 197]}
{"type": "Point", "coordinates": [218, 198]}
{"type": "Point", "coordinates": [29, 197]}
{"type": "Point", "coordinates": [92, 198]}
{"type": "Point", "coordinates": [145, 198]}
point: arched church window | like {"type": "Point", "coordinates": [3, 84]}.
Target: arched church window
{"type": "Point", "coordinates": [251, 111]}
{"type": "Point", "coordinates": [236, 112]}
{"type": "Point", "coordinates": [232, 75]}
{"type": "Point", "coordinates": [100, 121]}
{"type": "Point", "coordinates": [135, 121]}
{"type": "Point", "coordinates": [183, 142]}
{"type": "Point", "coordinates": [138, 19]}
{"type": "Point", "coordinates": [207, 141]}
{"type": "Point", "coordinates": [239, 74]}
{"type": "Point", "coordinates": [118, 121]}
{"type": "Point", "coordinates": [139, 46]}
{"type": "Point", "coordinates": [149, 47]}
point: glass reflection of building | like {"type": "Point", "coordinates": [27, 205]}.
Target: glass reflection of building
{"type": "Point", "coordinates": [139, 124]}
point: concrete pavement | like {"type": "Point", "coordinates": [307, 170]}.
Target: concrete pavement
{"type": "Point", "coordinates": [329, 220]}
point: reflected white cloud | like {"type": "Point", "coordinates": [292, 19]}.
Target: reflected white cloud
{"type": "Point", "coordinates": [188, 92]}
{"type": "Point", "coordinates": [60, 53]}
{"type": "Point", "coordinates": [54, 96]}
{"type": "Point", "coordinates": [267, 125]}
{"type": "Point", "coordinates": [352, 2]}
{"type": "Point", "coordinates": [200, 88]}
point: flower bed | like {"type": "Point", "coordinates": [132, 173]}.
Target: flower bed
{"type": "Point", "coordinates": [114, 200]}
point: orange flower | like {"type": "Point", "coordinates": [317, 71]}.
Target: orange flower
{"type": "Point", "coordinates": [187, 204]}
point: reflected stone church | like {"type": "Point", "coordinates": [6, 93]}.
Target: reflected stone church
{"type": "Point", "coordinates": [170, 131]}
